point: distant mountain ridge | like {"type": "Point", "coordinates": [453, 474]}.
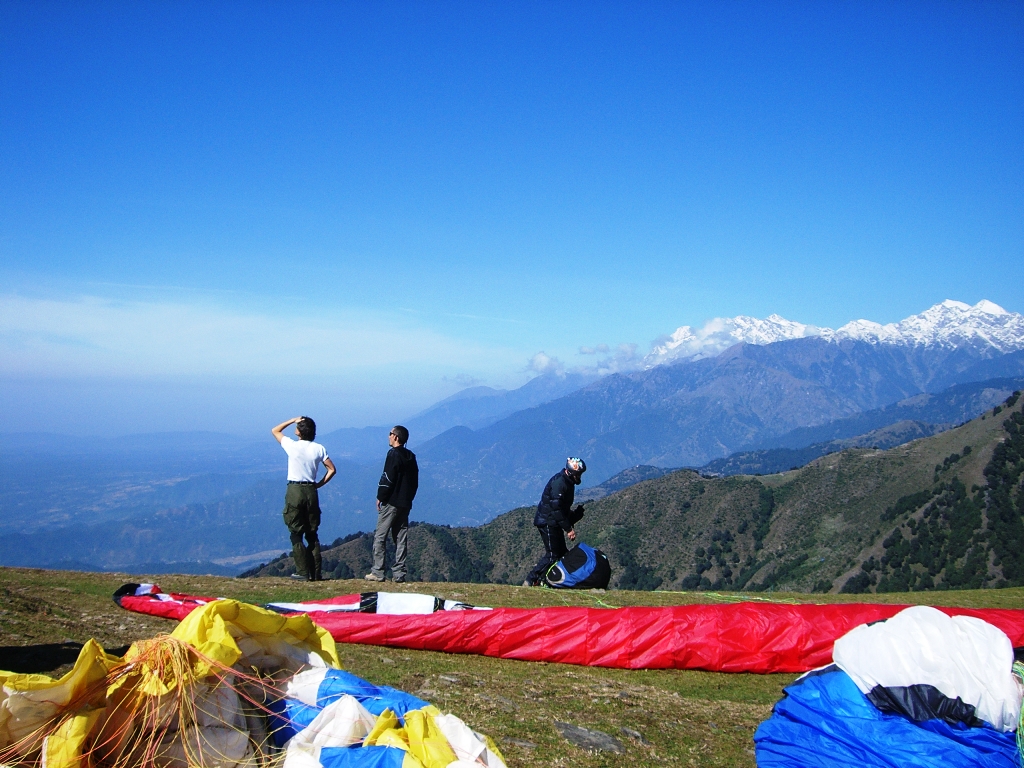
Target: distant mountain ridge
{"type": "Point", "coordinates": [685, 414]}
{"type": "Point", "coordinates": [986, 329]}
{"type": "Point", "coordinates": [771, 461]}
{"type": "Point", "coordinates": [624, 479]}
{"type": "Point", "coordinates": [481, 406]}
{"type": "Point", "coordinates": [474, 408]}
{"type": "Point", "coordinates": [949, 407]}
{"type": "Point", "coordinates": [919, 416]}
{"type": "Point", "coordinates": [948, 324]}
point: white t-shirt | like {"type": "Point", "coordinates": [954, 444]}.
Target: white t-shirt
{"type": "Point", "coordinates": [304, 459]}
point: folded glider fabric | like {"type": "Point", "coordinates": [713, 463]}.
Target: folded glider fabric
{"type": "Point", "coordinates": [150, 599]}
{"type": "Point", "coordinates": [741, 637]}
{"type": "Point", "coordinates": [201, 695]}
{"type": "Point", "coordinates": [325, 711]}
{"type": "Point", "coordinates": [824, 721]}
{"type": "Point", "coordinates": [365, 757]}
{"type": "Point", "coordinates": [310, 692]}
{"type": "Point", "coordinates": [920, 689]}
{"type": "Point", "coordinates": [926, 665]}
{"type": "Point", "coordinates": [392, 603]}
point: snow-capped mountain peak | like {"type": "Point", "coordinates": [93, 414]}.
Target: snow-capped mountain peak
{"type": "Point", "coordinates": [949, 323]}
{"type": "Point", "coordinates": [719, 334]}
{"type": "Point", "coordinates": [990, 308]}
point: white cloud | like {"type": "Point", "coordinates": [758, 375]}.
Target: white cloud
{"type": "Point", "coordinates": [720, 333]}
{"type": "Point", "coordinates": [99, 336]}
{"type": "Point", "coordinates": [543, 363]}
{"type": "Point", "coordinates": [622, 358]}
{"type": "Point", "coordinates": [625, 358]}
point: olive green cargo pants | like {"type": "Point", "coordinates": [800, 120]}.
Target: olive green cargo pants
{"type": "Point", "coordinates": [302, 516]}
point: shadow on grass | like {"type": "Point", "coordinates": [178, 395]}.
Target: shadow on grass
{"type": "Point", "coordinates": [44, 658]}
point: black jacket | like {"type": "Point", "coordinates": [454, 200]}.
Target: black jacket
{"type": "Point", "coordinates": [555, 503]}
{"type": "Point", "coordinates": [400, 478]}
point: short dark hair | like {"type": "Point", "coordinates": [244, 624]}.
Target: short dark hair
{"type": "Point", "coordinates": [306, 427]}
{"type": "Point", "coordinates": [401, 433]}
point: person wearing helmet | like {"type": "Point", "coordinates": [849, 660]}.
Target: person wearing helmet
{"type": "Point", "coordinates": [555, 517]}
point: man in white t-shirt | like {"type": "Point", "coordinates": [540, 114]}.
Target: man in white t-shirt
{"type": "Point", "coordinates": [301, 501]}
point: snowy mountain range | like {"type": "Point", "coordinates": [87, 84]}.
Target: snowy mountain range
{"type": "Point", "coordinates": [950, 324]}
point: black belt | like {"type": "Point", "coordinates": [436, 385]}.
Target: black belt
{"type": "Point", "coordinates": [300, 482]}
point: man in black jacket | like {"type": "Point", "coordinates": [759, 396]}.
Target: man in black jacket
{"type": "Point", "coordinates": [555, 515]}
{"type": "Point", "coordinates": [395, 492]}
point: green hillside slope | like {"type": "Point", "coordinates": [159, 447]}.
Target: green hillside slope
{"type": "Point", "coordinates": [937, 513]}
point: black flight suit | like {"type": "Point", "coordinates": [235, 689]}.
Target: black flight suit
{"type": "Point", "coordinates": [554, 518]}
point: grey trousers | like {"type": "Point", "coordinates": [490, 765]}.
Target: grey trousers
{"type": "Point", "coordinates": [394, 521]}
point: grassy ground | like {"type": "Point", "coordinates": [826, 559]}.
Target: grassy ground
{"type": "Point", "coordinates": [684, 717]}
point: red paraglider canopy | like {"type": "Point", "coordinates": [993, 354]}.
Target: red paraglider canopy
{"type": "Point", "coordinates": [741, 637]}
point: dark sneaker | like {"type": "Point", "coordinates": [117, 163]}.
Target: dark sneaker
{"type": "Point", "coordinates": [298, 576]}
{"type": "Point", "coordinates": [400, 580]}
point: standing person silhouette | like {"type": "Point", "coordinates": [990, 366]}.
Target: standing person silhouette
{"type": "Point", "coordinates": [301, 500]}
{"type": "Point", "coordinates": [395, 492]}
{"type": "Point", "coordinates": [555, 516]}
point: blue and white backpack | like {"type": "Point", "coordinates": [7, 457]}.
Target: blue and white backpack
{"type": "Point", "coordinates": [582, 567]}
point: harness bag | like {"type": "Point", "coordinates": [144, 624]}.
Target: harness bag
{"type": "Point", "coordinates": [582, 567]}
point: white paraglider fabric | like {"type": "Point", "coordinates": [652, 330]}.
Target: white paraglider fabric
{"type": "Point", "coordinates": [342, 723]}
{"type": "Point", "coordinates": [468, 745]}
{"type": "Point", "coordinates": [961, 656]}
{"type": "Point", "coordinates": [305, 685]}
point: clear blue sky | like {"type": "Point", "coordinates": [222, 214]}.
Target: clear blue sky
{"type": "Point", "coordinates": [229, 212]}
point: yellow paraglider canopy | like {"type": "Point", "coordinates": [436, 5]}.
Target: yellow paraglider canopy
{"type": "Point", "coordinates": [200, 697]}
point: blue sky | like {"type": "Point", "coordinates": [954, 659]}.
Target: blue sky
{"type": "Point", "coordinates": [230, 213]}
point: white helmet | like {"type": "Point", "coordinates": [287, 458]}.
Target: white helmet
{"type": "Point", "coordinates": [575, 467]}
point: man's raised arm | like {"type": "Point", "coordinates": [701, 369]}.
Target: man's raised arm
{"type": "Point", "coordinates": [276, 431]}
